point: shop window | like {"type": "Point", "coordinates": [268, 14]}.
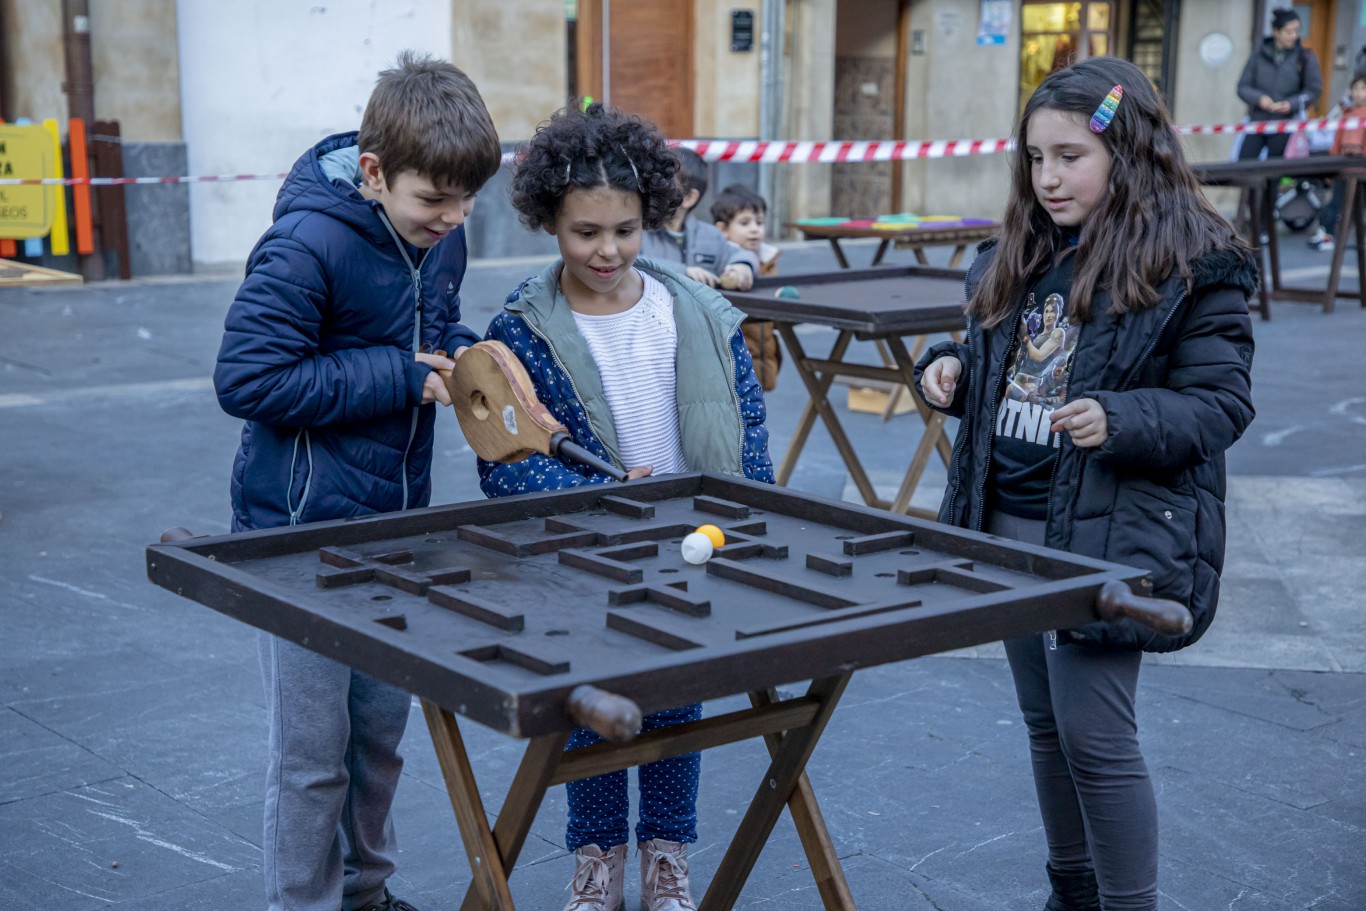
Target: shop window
{"type": "Point", "coordinates": [1054, 35]}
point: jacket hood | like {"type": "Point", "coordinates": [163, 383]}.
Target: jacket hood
{"type": "Point", "coordinates": [1269, 47]}
{"type": "Point", "coordinates": [1227, 267]}
{"type": "Point", "coordinates": [324, 180]}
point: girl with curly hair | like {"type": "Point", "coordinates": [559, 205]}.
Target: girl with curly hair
{"type": "Point", "coordinates": [648, 370]}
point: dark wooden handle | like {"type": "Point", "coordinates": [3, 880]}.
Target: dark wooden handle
{"type": "Point", "coordinates": [561, 445]}
{"type": "Point", "coordinates": [612, 717]}
{"type": "Point", "coordinates": [1116, 600]}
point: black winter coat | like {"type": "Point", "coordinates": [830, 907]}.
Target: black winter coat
{"type": "Point", "coordinates": [1175, 384]}
{"type": "Point", "coordinates": [1296, 78]}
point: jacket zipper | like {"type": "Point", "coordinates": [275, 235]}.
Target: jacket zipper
{"type": "Point", "coordinates": [995, 408]}
{"type": "Point", "coordinates": [296, 511]}
{"type": "Point", "coordinates": [965, 421]}
{"type": "Point", "coordinates": [415, 276]}
{"type": "Point", "coordinates": [734, 391]}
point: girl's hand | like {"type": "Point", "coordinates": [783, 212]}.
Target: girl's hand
{"type": "Point", "coordinates": [1084, 420]}
{"type": "Point", "coordinates": [644, 471]}
{"type": "Point", "coordinates": [434, 387]}
{"type": "Point", "coordinates": [940, 379]}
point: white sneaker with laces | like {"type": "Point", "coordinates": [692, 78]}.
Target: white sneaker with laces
{"type": "Point", "coordinates": [664, 876]}
{"type": "Point", "coordinates": [1318, 237]}
{"type": "Point", "coordinates": [598, 879]}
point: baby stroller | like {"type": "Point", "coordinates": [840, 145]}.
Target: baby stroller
{"type": "Point", "coordinates": [1298, 201]}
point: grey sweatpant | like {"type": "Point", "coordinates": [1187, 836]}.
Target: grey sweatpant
{"type": "Point", "coordinates": [1099, 810]}
{"type": "Point", "coordinates": [333, 770]}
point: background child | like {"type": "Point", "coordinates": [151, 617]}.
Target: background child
{"type": "Point", "coordinates": [321, 356]}
{"type": "Point", "coordinates": [1104, 213]}
{"type": "Point", "coordinates": [687, 245]}
{"type": "Point", "coordinates": [739, 214]}
{"type": "Point", "coordinates": [1346, 142]}
{"type": "Point", "coordinates": [648, 370]}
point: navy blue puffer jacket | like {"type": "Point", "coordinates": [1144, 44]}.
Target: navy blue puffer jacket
{"type": "Point", "coordinates": [317, 352]}
{"type": "Point", "coordinates": [1175, 383]}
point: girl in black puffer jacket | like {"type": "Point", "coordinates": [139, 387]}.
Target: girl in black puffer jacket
{"type": "Point", "coordinates": [1104, 374]}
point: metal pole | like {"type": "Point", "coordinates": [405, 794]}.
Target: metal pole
{"type": "Point", "coordinates": [606, 51]}
{"type": "Point", "coordinates": [79, 85]}
{"type": "Point", "coordinates": [771, 104]}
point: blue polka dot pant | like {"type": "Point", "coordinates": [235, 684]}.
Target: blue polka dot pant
{"type": "Point", "coordinates": [599, 807]}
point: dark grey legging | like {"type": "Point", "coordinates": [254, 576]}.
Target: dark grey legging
{"type": "Point", "coordinates": [1094, 792]}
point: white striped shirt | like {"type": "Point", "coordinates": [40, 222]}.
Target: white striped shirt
{"type": "Point", "coordinates": [637, 352]}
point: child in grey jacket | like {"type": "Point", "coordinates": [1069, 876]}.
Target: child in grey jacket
{"type": "Point", "coordinates": [695, 248]}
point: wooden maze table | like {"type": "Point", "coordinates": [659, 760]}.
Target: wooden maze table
{"type": "Point", "coordinates": [1259, 181]}
{"type": "Point", "coordinates": [883, 305]}
{"type": "Point", "coordinates": [906, 232]}
{"type": "Point", "coordinates": [517, 613]}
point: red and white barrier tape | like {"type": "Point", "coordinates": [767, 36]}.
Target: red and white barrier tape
{"type": "Point", "coordinates": [775, 152]}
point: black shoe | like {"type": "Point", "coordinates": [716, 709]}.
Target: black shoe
{"type": "Point", "coordinates": [388, 904]}
{"type": "Point", "coordinates": [1073, 892]}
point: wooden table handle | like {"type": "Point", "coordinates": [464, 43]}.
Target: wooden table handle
{"type": "Point", "coordinates": [1116, 600]}
{"type": "Point", "coordinates": [612, 717]}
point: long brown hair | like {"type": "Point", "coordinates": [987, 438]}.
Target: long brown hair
{"type": "Point", "coordinates": [1151, 224]}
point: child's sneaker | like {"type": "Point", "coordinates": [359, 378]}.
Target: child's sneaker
{"type": "Point", "coordinates": [1319, 237]}
{"type": "Point", "coordinates": [598, 879]}
{"type": "Point", "coordinates": [664, 876]}
{"type": "Point", "coordinates": [1325, 245]}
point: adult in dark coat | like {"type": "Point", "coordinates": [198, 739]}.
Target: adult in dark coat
{"type": "Point", "coordinates": [1280, 81]}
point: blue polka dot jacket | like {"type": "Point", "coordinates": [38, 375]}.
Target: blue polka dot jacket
{"type": "Point", "coordinates": [720, 404]}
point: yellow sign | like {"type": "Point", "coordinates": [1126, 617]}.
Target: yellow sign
{"type": "Point", "coordinates": [25, 153]}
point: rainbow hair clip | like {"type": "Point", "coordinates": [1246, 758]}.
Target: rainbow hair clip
{"type": "Point", "coordinates": [1106, 112]}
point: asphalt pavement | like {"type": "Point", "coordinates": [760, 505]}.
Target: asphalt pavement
{"type": "Point", "coordinates": [132, 728]}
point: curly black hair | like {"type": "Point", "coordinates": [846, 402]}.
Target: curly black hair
{"type": "Point", "coordinates": [582, 149]}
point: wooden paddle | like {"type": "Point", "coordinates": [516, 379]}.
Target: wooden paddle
{"type": "Point", "coordinates": [500, 415]}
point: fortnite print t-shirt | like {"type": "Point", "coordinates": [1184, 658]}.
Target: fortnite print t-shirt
{"type": "Point", "coordinates": [1024, 447]}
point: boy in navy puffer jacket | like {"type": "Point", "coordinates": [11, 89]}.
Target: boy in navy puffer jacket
{"type": "Point", "coordinates": [323, 356]}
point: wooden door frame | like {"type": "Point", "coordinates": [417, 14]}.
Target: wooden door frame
{"type": "Point", "coordinates": [588, 49]}
{"type": "Point", "coordinates": [900, 92]}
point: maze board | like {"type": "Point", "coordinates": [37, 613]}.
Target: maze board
{"type": "Point", "coordinates": [498, 609]}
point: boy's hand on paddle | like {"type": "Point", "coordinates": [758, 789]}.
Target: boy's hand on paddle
{"type": "Point", "coordinates": [1084, 420]}
{"type": "Point", "coordinates": [698, 274]}
{"type": "Point", "coordinates": [643, 471]}
{"type": "Point", "coordinates": [940, 380]}
{"type": "Point", "coordinates": [434, 387]}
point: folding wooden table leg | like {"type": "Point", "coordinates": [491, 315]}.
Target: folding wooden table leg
{"type": "Point", "coordinates": [1359, 224]}
{"type": "Point", "coordinates": [839, 254]}
{"type": "Point", "coordinates": [807, 420]}
{"type": "Point", "coordinates": [780, 781]}
{"type": "Point", "coordinates": [881, 251]}
{"type": "Point", "coordinates": [806, 816]}
{"type": "Point", "coordinates": [486, 864]}
{"type": "Point", "coordinates": [524, 797]}
{"type": "Point", "coordinates": [1268, 226]}
{"type": "Point", "coordinates": [817, 386]}
{"type": "Point", "coordinates": [1253, 196]}
{"type": "Point", "coordinates": [1346, 217]}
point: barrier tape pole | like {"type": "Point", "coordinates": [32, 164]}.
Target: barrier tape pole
{"type": "Point", "coordinates": [779, 151]}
